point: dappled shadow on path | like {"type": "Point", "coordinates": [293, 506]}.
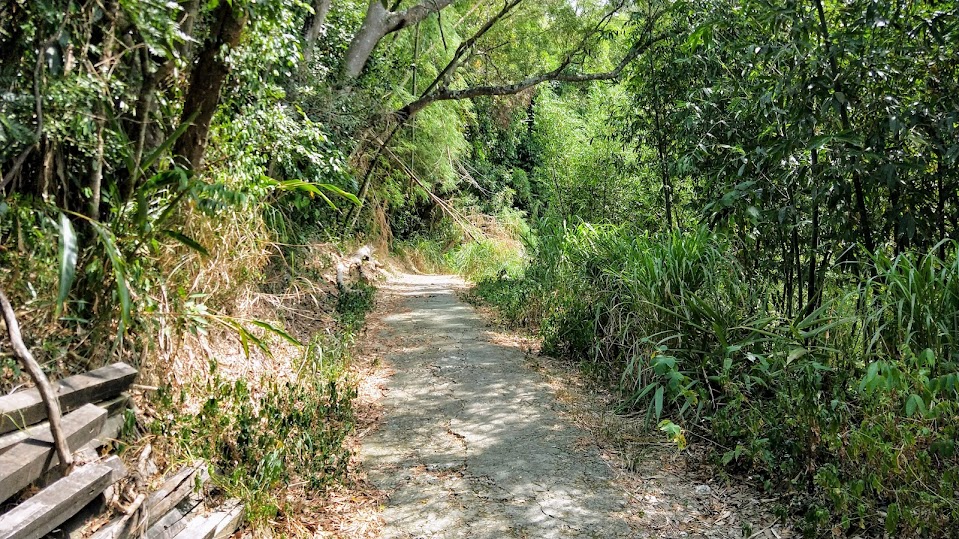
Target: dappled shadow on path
{"type": "Point", "coordinates": [472, 444]}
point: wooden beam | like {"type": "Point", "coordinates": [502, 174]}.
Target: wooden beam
{"type": "Point", "coordinates": [52, 506]}
{"type": "Point", "coordinates": [229, 517]}
{"type": "Point", "coordinates": [155, 508]}
{"type": "Point", "coordinates": [25, 462]}
{"type": "Point", "coordinates": [25, 408]}
{"type": "Point", "coordinates": [168, 526]}
{"type": "Point", "coordinates": [198, 527]}
{"type": "Point", "coordinates": [112, 406]}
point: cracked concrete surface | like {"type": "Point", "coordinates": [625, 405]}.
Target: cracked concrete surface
{"type": "Point", "coordinates": [471, 444]}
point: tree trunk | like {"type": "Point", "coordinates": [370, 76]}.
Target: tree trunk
{"type": "Point", "coordinates": [864, 226]}
{"type": "Point", "coordinates": [379, 22]}
{"type": "Point", "coordinates": [812, 284]}
{"type": "Point", "coordinates": [313, 29]}
{"type": "Point", "coordinates": [209, 73]}
{"type": "Point", "coordinates": [940, 204]}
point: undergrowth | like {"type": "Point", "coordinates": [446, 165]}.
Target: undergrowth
{"type": "Point", "coordinates": [287, 432]}
{"type": "Point", "coordinates": [850, 406]}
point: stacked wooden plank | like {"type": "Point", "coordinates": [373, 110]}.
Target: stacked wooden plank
{"type": "Point", "coordinates": [93, 404]}
{"type": "Point", "coordinates": [176, 510]}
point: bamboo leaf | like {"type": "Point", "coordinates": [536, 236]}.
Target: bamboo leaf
{"type": "Point", "coordinates": [68, 260]}
{"type": "Point", "coordinates": [187, 240]}
{"type": "Point", "coordinates": [119, 273]}
{"type": "Point", "coordinates": [658, 402]}
{"type": "Point", "coordinates": [273, 329]}
{"type": "Point", "coordinates": [167, 143]}
{"type": "Point", "coordinates": [340, 192]}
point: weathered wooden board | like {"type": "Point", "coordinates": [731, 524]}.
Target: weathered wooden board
{"type": "Point", "coordinates": [173, 491]}
{"type": "Point", "coordinates": [25, 462]}
{"type": "Point", "coordinates": [168, 526]}
{"type": "Point", "coordinates": [198, 527]}
{"type": "Point", "coordinates": [177, 519]}
{"type": "Point", "coordinates": [113, 407]}
{"type": "Point", "coordinates": [55, 504]}
{"type": "Point", "coordinates": [229, 517]}
{"type": "Point", "coordinates": [25, 408]}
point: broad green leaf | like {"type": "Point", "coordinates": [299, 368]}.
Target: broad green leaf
{"type": "Point", "coordinates": [68, 260]}
{"type": "Point", "coordinates": [188, 241]}
{"type": "Point", "coordinates": [913, 404]}
{"type": "Point", "coordinates": [796, 353]}
{"type": "Point", "coordinates": [119, 273]}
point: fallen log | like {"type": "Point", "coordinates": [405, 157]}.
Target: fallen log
{"type": "Point", "coordinates": [25, 408]}
{"type": "Point", "coordinates": [26, 461]}
{"type": "Point", "coordinates": [53, 505]}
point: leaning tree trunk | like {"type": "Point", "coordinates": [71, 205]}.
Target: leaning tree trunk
{"type": "Point", "coordinates": [47, 394]}
{"type": "Point", "coordinates": [206, 80]}
{"type": "Point", "coordinates": [379, 22]}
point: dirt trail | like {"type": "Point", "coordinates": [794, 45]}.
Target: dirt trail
{"type": "Point", "coordinates": [473, 442]}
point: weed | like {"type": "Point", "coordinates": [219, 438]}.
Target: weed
{"type": "Point", "coordinates": [352, 305]}
{"type": "Point", "coordinates": [291, 430]}
{"type": "Point", "coordinates": [851, 405]}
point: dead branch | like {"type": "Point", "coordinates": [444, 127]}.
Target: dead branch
{"type": "Point", "coordinates": [43, 384]}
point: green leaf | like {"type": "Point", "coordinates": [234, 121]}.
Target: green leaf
{"type": "Point", "coordinates": [313, 189]}
{"type": "Point", "coordinates": [796, 353]}
{"type": "Point", "coordinates": [167, 143]}
{"type": "Point", "coordinates": [915, 403]}
{"type": "Point", "coordinates": [871, 373]}
{"type": "Point", "coordinates": [119, 273]}
{"type": "Point", "coordinates": [892, 518]}
{"type": "Point", "coordinates": [658, 402]}
{"type": "Point", "coordinates": [340, 192]}
{"type": "Point", "coordinates": [273, 329]}
{"type": "Point", "coordinates": [68, 260]}
{"type": "Point", "coordinates": [188, 241]}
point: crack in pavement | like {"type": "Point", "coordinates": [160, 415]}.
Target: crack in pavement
{"type": "Point", "coordinates": [471, 443]}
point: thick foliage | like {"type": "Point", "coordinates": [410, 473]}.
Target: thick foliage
{"type": "Point", "coordinates": [852, 406]}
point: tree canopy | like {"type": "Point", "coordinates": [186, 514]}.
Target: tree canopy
{"type": "Point", "coordinates": [743, 214]}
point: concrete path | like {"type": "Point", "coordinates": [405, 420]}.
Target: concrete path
{"type": "Point", "coordinates": [471, 444]}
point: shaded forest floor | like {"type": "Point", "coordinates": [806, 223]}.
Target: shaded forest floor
{"type": "Point", "coordinates": [467, 431]}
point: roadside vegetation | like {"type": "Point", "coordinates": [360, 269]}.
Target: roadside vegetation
{"type": "Point", "coordinates": [741, 215]}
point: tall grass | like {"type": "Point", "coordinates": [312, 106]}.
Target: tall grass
{"type": "Point", "coordinates": [851, 405]}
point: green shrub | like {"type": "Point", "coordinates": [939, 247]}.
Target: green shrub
{"type": "Point", "coordinates": [851, 405]}
{"type": "Point", "coordinates": [293, 431]}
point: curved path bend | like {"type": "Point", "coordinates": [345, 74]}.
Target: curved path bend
{"type": "Point", "coordinates": [472, 444]}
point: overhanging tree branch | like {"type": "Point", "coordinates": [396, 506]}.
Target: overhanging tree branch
{"type": "Point", "coordinates": [562, 73]}
{"type": "Point", "coordinates": [47, 393]}
{"type": "Point", "coordinates": [438, 90]}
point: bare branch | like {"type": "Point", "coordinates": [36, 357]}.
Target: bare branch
{"type": "Point", "coordinates": [47, 394]}
{"type": "Point", "coordinates": [561, 73]}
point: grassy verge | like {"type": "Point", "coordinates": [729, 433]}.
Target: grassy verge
{"type": "Point", "coordinates": [285, 437]}
{"type": "Point", "coordinates": [851, 406]}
